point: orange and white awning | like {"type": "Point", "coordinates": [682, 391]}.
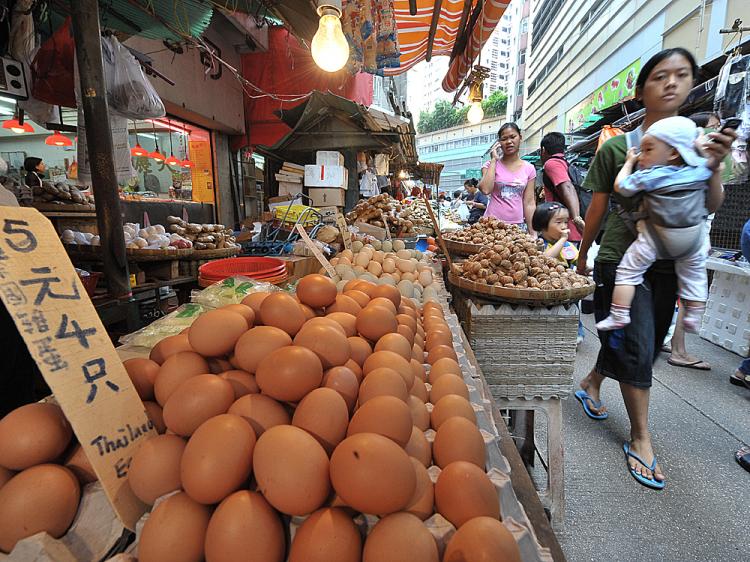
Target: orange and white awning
{"type": "Point", "coordinates": [414, 31]}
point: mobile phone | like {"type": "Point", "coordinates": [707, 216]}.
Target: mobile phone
{"type": "Point", "coordinates": [732, 123]}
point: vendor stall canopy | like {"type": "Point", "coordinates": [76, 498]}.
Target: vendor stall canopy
{"type": "Point", "coordinates": [402, 33]}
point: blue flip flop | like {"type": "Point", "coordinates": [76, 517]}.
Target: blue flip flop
{"type": "Point", "coordinates": [584, 398]}
{"type": "Point", "coordinates": [652, 482]}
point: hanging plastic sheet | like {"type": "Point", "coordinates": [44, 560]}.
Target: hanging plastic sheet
{"type": "Point", "coordinates": [608, 131]}
{"type": "Point", "coordinates": [370, 28]}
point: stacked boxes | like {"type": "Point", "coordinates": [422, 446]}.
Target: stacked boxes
{"type": "Point", "coordinates": [327, 179]}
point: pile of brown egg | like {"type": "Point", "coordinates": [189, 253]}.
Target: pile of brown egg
{"type": "Point", "coordinates": [306, 412]}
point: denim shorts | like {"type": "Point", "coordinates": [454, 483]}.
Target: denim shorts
{"type": "Point", "coordinates": [628, 354]}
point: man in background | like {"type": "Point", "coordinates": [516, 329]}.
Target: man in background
{"type": "Point", "coordinates": [557, 183]}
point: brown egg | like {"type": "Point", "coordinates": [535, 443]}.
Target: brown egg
{"type": "Point", "coordinates": [384, 415]}
{"type": "Point", "coordinates": [418, 447]}
{"type": "Point", "coordinates": [382, 382]}
{"type": "Point", "coordinates": [408, 321]}
{"type": "Point", "coordinates": [168, 347]}
{"type": "Point", "coordinates": [242, 382]}
{"type": "Point", "coordinates": [216, 332]}
{"type": "Point", "coordinates": [43, 498]}
{"type": "Point", "coordinates": [417, 353]}
{"type": "Point", "coordinates": [196, 400]}
{"type": "Point", "coordinates": [351, 284]}
{"type": "Point", "coordinates": [432, 306]}
{"type": "Point", "coordinates": [372, 474]}
{"type": "Point", "coordinates": [345, 382]}
{"type": "Point", "coordinates": [355, 368]}
{"type": "Point", "coordinates": [419, 390]}
{"type": "Point", "coordinates": [282, 311]}
{"type": "Point", "coordinates": [33, 434]}
{"type": "Point", "coordinates": [422, 504]}
{"type": "Point", "coordinates": [291, 469]}
{"type": "Point", "coordinates": [5, 475]}
{"type": "Point", "coordinates": [175, 531]}
{"type": "Point", "coordinates": [448, 385]}
{"type": "Point", "coordinates": [436, 338]}
{"type": "Point", "coordinates": [482, 538]}
{"type": "Point", "coordinates": [289, 373]}
{"type": "Point", "coordinates": [406, 332]}
{"type": "Point", "coordinates": [256, 344]}
{"type": "Point", "coordinates": [261, 412]}
{"type": "Point", "coordinates": [360, 349]}
{"type": "Point", "coordinates": [218, 458]}
{"type": "Point", "coordinates": [218, 366]}
{"type": "Point", "coordinates": [347, 322]}
{"type": "Point", "coordinates": [361, 298]}
{"type": "Point", "coordinates": [389, 292]}
{"type": "Point", "coordinates": [390, 360]}
{"type": "Point", "coordinates": [245, 527]}
{"type": "Point", "coordinates": [328, 535]}
{"type": "Point", "coordinates": [458, 440]}
{"type": "Point", "coordinates": [401, 533]}
{"type": "Point", "coordinates": [443, 366]}
{"type": "Point", "coordinates": [309, 313]}
{"type": "Point", "coordinates": [316, 291]}
{"type": "Point", "coordinates": [154, 413]}
{"type": "Point", "coordinates": [384, 303]}
{"type": "Point", "coordinates": [449, 406]}
{"type": "Point", "coordinates": [418, 340]}
{"type": "Point", "coordinates": [174, 371]}
{"type": "Point", "coordinates": [324, 415]}
{"type": "Point", "coordinates": [243, 310]}
{"type": "Point", "coordinates": [396, 343]}
{"type": "Point", "coordinates": [142, 373]}
{"type": "Point", "coordinates": [78, 463]}
{"type": "Point", "coordinates": [418, 369]}
{"type": "Point", "coordinates": [324, 321]}
{"type": "Point", "coordinates": [375, 321]}
{"type": "Point", "coordinates": [254, 300]}
{"type": "Point", "coordinates": [365, 286]}
{"type": "Point", "coordinates": [330, 345]}
{"type": "Point", "coordinates": [344, 304]}
{"type": "Point", "coordinates": [419, 414]}
{"type": "Point", "coordinates": [155, 468]}
{"type": "Point", "coordinates": [407, 310]}
{"type": "Point", "coordinates": [439, 352]}
{"type": "Point", "coordinates": [463, 491]}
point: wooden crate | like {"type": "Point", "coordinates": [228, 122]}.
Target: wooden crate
{"type": "Point", "coordinates": [523, 351]}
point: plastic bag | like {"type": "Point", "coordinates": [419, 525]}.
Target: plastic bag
{"type": "Point", "coordinates": [52, 69]}
{"type": "Point", "coordinates": [229, 291]}
{"type": "Point", "coordinates": [170, 325]}
{"type": "Point", "coordinates": [130, 93]}
{"type": "Point", "coordinates": [607, 133]}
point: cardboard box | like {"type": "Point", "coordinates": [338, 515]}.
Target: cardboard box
{"type": "Point", "coordinates": [327, 197]}
{"type": "Point", "coordinates": [326, 176]}
{"type": "Point", "coordinates": [289, 188]}
{"type": "Point", "coordinates": [329, 214]}
{"type": "Point", "coordinates": [329, 158]}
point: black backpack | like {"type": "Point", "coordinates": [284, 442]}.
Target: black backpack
{"type": "Point", "coordinates": [576, 175]}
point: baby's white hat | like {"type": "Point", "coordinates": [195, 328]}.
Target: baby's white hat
{"type": "Point", "coordinates": [679, 133]}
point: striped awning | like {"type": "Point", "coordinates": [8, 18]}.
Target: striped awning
{"type": "Point", "coordinates": [414, 32]}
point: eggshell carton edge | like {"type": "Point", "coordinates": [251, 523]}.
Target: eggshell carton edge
{"type": "Point", "coordinates": [92, 534]}
{"type": "Point", "coordinates": [531, 550]}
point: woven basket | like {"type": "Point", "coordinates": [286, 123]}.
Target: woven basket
{"type": "Point", "coordinates": [522, 296]}
{"type": "Point", "coordinates": [462, 248]}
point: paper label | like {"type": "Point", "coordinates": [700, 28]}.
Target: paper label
{"type": "Point", "coordinates": [43, 294]}
{"type": "Point", "coordinates": [346, 236]}
{"type": "Point", "coordinates": [316, 251]}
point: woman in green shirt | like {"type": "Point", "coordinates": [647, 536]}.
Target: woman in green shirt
{"type": "Point", "coordinates": [627, 355]}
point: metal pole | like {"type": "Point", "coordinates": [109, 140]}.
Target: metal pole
{"type": "Point", "coordinates": [87, 35]}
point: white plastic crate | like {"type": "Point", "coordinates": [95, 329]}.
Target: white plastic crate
{"type": "Point", "coordinates": [727, 319]}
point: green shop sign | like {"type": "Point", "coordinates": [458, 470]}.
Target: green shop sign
{"type": "Point", "coordinates": [617, 88]}
{"type": "Point", "coordinates": [473, 173]}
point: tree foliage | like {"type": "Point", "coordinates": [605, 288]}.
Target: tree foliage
{"type": "Point", "coordinates": [445, 116]}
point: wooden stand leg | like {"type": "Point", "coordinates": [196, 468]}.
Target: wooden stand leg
{"type": "Point", "coordinates": [556, 476]}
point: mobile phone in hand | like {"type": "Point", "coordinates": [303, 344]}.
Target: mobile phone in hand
{"type": "Point", "coordinates": [732, 123]}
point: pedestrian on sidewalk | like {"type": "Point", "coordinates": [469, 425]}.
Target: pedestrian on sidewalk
{"type": "Point", "coordinates": [509, 181]}
{"type": "Point", "coordinates": [627, 355]}
{"type": "Point", "coordinates": [742, 376]}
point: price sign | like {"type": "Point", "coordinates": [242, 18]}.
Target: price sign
{"type": "Point", "coordinates": [43, 294]}
{"type": "Point", "coordinates": [346, 236]}
{"type": "Point", "coordinates": [315, 250]}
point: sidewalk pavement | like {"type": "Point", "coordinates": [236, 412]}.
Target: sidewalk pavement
{"type": "Point", "coordinates": [698, 420]}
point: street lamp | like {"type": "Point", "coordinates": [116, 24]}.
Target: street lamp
{"type": "Point", "coordinates": [329, 47]}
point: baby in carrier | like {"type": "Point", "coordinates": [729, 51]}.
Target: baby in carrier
{"type": "Point", "coordinates": [672, 180]}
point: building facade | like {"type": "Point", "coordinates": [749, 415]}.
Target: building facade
{"type": "Point", "coordinates": [585, 55]}
{"type": "Point", "coordinates": [519, 52]}
{"type": "Point", "coordinates": [462, 150]}
{"type": "Point", "coordinates": [388, 91]}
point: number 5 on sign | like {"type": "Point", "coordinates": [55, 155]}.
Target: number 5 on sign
{"type": "Point", "coordinates": [42, 293]}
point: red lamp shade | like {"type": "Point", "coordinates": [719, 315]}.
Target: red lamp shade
{"type": "Point", "coordinates": [187, 163]}
{"type": "Point", "coordinates": [16, 127]}
{"type": "Point", "coordinates": [172, 161]}
{"type": "Point", "coordinates": [158, 156]}
{"type": "Point", "coordinates": [57, 139]}
{"type": "Point", "coordinates": [138, 151]}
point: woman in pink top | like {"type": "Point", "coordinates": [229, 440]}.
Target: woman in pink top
{"type": "Point", "coordinates": [509, 181]}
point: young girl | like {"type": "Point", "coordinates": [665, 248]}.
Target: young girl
{"type": "Point", "coordinates": [550, 220]}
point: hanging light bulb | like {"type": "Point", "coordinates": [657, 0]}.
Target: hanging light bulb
{"type": "Point", "coordinates": [137, 151]}
{"type": "Point", "coordinates": [476, 113]}
{"type": "Point", "coordinates": [156, 155]}
{"type": "Point", "coordinates": [16, 127]}
{"type": "Point", "coordinates": [56, 139]}
{"type": "Point", "coordinates": [329, 47]}
{"type": "Point", "coordinates": [476, 94]}
{"type": "Point", "coordinates": [187, 163]}
{"type": "Point", "coordinates": [171, 161]}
